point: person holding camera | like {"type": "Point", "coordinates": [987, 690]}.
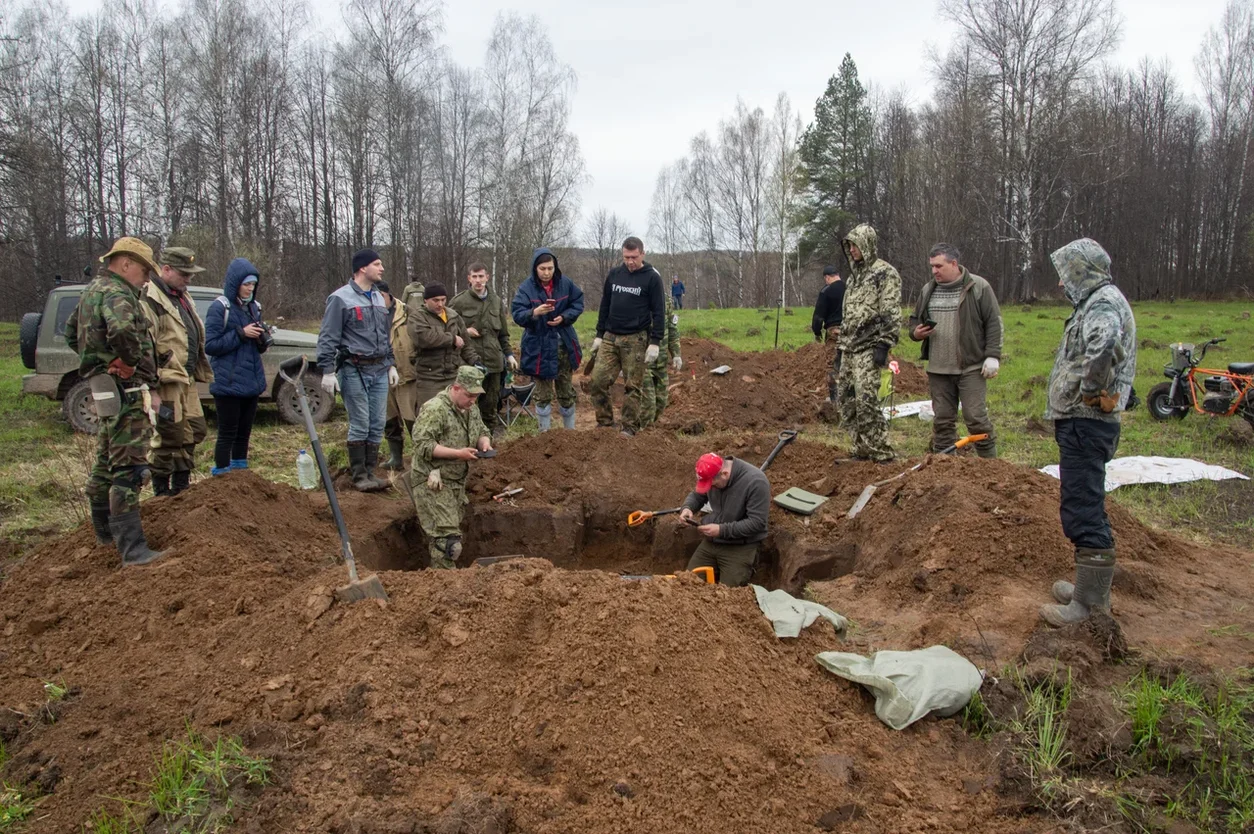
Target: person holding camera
{"type": "Point", "coordinates": [235, 338]}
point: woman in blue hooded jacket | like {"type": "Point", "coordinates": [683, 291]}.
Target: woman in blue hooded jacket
{"type": "Point", "coordinates": [546, 307]}
{"type": "Point", "coordinates": [234, 341]}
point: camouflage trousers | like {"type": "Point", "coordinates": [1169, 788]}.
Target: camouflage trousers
{"type": "Point", "coordinates": [653, 393]}
{"type": "Point", "coordinates": [440, 514]}
{"type": "Point", "coordinates": [490, 399]}
{"type": "Point", "coordinates": [857, 389]}
{"type": "Point", "coordinates": [173, 446]}
{"type": "Point", "coordinates": [620, 354]}
{"type": "Point", "coordinates": [560, 387]}
{"type": "Point", "coordinates": [121, 467]}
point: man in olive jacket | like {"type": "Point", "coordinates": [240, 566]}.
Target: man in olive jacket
{"type": "Point", "coordinates": [959, 323]}
{"type": "Point", "coordinates": [441, 343]}
{"type": "Point", "coordinates": [487, 323]}
{"type": "Point", "coordinates": [403, 396]}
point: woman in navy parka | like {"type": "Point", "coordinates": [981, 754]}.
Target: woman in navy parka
{"type": "Point", "coordinates": [546, 307]}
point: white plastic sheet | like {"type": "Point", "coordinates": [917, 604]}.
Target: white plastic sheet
{"type": "Point", "coordinates": [789, 615]}
{"type": "Point", "coordinates": [1157, 470]}
{"type": "Point", "coordinates": [905, 409]}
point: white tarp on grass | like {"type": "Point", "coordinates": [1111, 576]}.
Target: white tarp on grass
{"type": "Point", "coordinates": [1156, 470]}
{"type": "Point", "coordinates": [905, 409]}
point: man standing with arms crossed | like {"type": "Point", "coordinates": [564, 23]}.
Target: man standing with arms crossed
{"type": "Point", "coordinates": [182, 362]}
{"type": "Point", "coordinates": [630, 327]}
{"type": "Point", "coordinates": [959, 323]}
{"type": "Point", "coordinates": [355, 355]}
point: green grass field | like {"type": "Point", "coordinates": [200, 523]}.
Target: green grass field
{"type": "Point", "coordinates": [43, 463]}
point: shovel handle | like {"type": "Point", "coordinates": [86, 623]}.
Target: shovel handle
{"type": "Point", "coordinates": [293, 369]}
{"type": "Point", "coordinates": [635, 519]}
{"type": "Point", "coordinates": [966, 441]}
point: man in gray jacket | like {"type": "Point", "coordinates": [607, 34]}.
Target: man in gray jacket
{"type": "Point", "coordinates": [740, 502]}
{"type": "Point", "coordinates": [959, 323]}
{"type": "Point", "coordinates": [1088, 389]}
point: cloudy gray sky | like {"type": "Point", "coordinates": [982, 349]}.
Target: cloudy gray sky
{"type": "Point", "coordinates": [653, 73]}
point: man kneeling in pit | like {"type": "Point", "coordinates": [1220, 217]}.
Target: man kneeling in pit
{"type": "Point", "coordinates": [740, 502]}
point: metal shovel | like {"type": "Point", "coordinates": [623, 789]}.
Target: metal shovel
{"type": "Point", "coordinates": [357, 589]}
{"type": "Point", "coordinates": [865, 497]}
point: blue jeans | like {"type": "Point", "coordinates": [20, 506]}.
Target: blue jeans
{"type": "Point", "coordinates": [365, 394]}
{"type": "Point", "coordinates": [1085, 446]}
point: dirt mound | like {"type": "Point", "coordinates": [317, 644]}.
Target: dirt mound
{"type": "Point", "coordinates": [771, 389]}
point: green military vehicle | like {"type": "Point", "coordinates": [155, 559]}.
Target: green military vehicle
{"type": "Point", "coordinates": [55, 366]}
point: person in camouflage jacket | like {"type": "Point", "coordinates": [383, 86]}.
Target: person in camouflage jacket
{"type": "Point", "coordinates": [113, 335]}
{"type": "Point", "coordinates": [872, 321]}
{"type": "Point", "coordinates": [654, 393]}
{"type": "Point", "coordinates": [1088, 390]}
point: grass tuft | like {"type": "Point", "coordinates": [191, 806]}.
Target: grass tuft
{"type": "Point", "coordinates": [15, 807]}
{"type": "Point", "coordinates": [193, 775]}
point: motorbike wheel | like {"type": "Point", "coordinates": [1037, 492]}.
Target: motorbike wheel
{"type": "Point", "coordinates": [1158, 403]}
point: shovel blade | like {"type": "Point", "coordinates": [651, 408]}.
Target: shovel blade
{"type": "Point", "coordinates": [369, 588]}
{"type": "Point", "coordinates": [863, 500]}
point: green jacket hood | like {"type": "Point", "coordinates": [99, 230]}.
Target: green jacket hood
{"type": "Point", "coordinates": [864, 237]}
{"type": "Point", "coordinates": [1084, 266]}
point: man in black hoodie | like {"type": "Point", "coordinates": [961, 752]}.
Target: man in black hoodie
{"type": "Point", "coordinates": [630, 327]}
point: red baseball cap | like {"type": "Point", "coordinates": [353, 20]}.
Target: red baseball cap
{"type": "Point", "coordinates": [708, 466]}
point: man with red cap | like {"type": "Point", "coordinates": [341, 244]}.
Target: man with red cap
{"type": "Point", "coordinates": [740, 501]}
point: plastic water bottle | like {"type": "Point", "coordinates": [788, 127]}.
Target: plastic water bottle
{"type": "Point", "coordinates": [306, 471]}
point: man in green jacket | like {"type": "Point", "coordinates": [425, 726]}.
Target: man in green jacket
{"type": "Point", "coordinates": [487, 324]}
{"type": "Point", "coordinates": [959, 323]}
{"type": "Point", "coordinates": [440, 341]}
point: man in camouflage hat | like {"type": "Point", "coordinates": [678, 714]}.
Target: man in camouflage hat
{"type": "Point", "coordinates": [654, 393]}
{"type": "Point", "coordinates": [181, 363]}
{"type": "Point", "coordinates": [872, 319]}
{"type": "Point", "coordinates": [448, 435]}
{"type": "Point", "coordinates": [112, 333]}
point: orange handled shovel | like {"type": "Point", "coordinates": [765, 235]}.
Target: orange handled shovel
{"type": "Point", "coordinates": [865, 497]}
{"type": "Point", "coordinates": [639, 517]}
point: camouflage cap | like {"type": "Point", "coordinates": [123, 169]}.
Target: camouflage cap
{"type": "Point", "coordinates": [180, 258]}
{"type": "Point", "coordinates": [134, 247]}
{"type": "Point", "coordinates": [470, 378]}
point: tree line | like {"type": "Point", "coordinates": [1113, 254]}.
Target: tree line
{"type": "Point", "coordinates": [1031, 139]}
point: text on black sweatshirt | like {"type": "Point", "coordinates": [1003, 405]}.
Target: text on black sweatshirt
{"type": "Point", "coordinates": [631, 302]}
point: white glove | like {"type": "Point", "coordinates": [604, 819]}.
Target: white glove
{"type": "Point", "coordinates": [650, 355]}
{"type": "Point", "coordinates": [330, 384]}
{"type": "Point", "coordinates": [433, 481]}
{"type": "Point", "coordinates": [991, 367]}
{"type": "Point", "coordinates": [394, 376]}
{"type": "Point", "coordinates": [677, 363]}
{"type": "Point", "coordinates": [512, 362]}
{"type": "Point", "coordinates": [596, 343]}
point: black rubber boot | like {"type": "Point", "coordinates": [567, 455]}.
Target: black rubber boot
{"type": "Point", "coordinates": [129, 535]}
{"type": "Point", "coordinates": [160, 484]}
{"type": "Point", "coordinates": [100, 522]}
{"type": "Point", "coordinates": [1094, 572]}
{"type": "Point", "coordinates": [180, 481]}
{"type": "Point", "coordinates": [357, 466]}
{"type": "Point", "coordinates": [396, 448]}
{"type": "Point", "coordinates": [372, 461]}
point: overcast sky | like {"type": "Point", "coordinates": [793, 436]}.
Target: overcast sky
{"type": "Point", "coordinates": [653, 73]}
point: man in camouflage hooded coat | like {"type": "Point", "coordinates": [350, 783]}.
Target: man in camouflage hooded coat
{"type": "Point", "coordinates": [1088, 389]}
{"type": "Point", "coordinates": [872, 321]}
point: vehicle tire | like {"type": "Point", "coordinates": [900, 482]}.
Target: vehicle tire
{"type": "Point", "coordinates": [320, 404]}
{"type": "Point", "coordinates": [1158, 403]}
{"type": "Point", "coordinates": [28, 337]}
{"type": "Point", "coordinates": [78, 409]}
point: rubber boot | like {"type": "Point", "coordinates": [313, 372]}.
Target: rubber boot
{"type": "Point", "coordinates": [568, 416]}
{"type": "Point", "coordinates": [372, 460]}
{"type": "Point", "coordinates": [129, 535]}
{"type": "Point", "coordinates": [1063, 591]}
{"type": "Point", "coordinates": [100, 522]}
{"type": "Point", "coordinates": [396, 448]}
{"type": "Point", "coordinates": [180, 481]}
{"type": "Point", "coordinates": [160, 484]}
{"type": "Point", "coordinates": [239, 464]}
{"type": "Point", "coordinates": [1094, 571]}
{"type": "Point", "coordinates": [544, 416]}
{"type": "Point", "coordinates": [357, 466]}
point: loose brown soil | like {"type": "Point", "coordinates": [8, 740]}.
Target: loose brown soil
{"type": "Point", "coordinates": [549, 694]}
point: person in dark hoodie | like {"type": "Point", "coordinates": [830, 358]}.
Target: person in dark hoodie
{"type": "Point", "coordinates": [630, 327]}
{"type": "Point", "coordinates": [235, 338]}
{"type": "Point", "coordinates": [546, 307]}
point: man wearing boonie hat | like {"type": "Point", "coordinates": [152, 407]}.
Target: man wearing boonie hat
{"type": "Point", "coordinates": [740, 501]}
{"type": "Point", "coordinates": [448, 435]}
{"type": "Point", "coordinates": [181, 363]}
{"type": "Point", "coordinates": [112, 333]}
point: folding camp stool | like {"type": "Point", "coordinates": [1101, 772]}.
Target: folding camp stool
{"type": "Point", "coordinates": [517, 403]}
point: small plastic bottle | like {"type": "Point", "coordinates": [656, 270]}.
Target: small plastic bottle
{"type": "Point", "coordinates": [306, 471]}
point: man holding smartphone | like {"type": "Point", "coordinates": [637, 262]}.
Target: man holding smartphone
{"type": "Point", "coordinates": [959, 323]}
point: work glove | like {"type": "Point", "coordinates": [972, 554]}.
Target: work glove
{"type": "Point", "coordinates": [433, 481]}
{"type": "Point", "coordinates": [596, 344]}
{"type": "Point", "coordinates": [880, 355]}
{"type": "Point", "coordinates": [650, 355]}
{"type": "Point", "coordinates": [991, 367]}
{"type": "Point", "coordinates": [677, 363]}
{"type": "Point", "coordinates": [330, 384]}
{"type": "Point", "coordinates": [512, 362]}
{"type": "Point", "coordinates": [1106, 402]}
{"type": "Point", "coordinates": [120, 369]}
{"type": "Point", "coordinates": [394, 376]}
